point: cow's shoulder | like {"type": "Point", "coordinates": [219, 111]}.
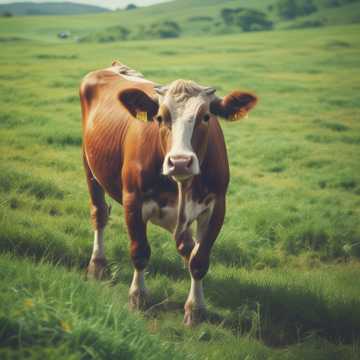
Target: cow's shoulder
{"type": "Point", "coordinates": [96, 81]}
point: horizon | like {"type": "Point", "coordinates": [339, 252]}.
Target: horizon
{"type": "Point", "coordinates": [109, 4]}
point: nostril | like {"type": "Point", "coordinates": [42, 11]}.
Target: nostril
{"type": "Point", "coordinates": [170, 162]}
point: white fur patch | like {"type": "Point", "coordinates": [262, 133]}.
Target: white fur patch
{"type": "Point", "coordinates": [165, 217]}
{"type": "Point", "coordinates": [128, 73]}
{"type": "Point", "coordinates": [138, 282]}
{"type": "Point", "coordinates": [98, 246]}
{"type": "Point", "coordinates": [136, 79]}
{"type": "Point", "coordinates": [196, 295]}
{"type": "Point", "coordinates": [194, 209]}
{"type": "Point", "coordinates": [183, 116]}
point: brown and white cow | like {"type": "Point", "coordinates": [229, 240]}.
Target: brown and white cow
{"type": "Point", "coordinates": [171, 169]}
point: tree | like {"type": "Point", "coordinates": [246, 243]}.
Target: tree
{"type": "Point", "coordinates": [228, 16]}
{"type": "Point", "coordinates": [163, 29]}
{"type": "Point", "coordinates": [332, 3]}
{"type": "Point", "coordinates": [253, 20]}
{"type": "Point", "coordinates": [131, 7]}
{"type": "Point", "coordinates": [290, 9]}
{"type": "Point", "coordinates": [166, 29]}
{"type": "Point", "coordinates": [287, 9]}
{"type": "Point", "coordinates": [7, 14]}
{"type": "Point", "coordinates": [308, 7]}
{"type": "Point", "coordinates": [246, 19]}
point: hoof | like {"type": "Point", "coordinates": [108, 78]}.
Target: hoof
{"type": "Point", "coordinates": [96, 269]}
{"type": "Point", "coordinates": [194, 316]}
{"type": "Point", "coordinates": [138, 300]}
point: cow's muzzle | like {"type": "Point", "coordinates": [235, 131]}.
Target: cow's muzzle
{"type": "Point", "coordinates": [181, 167]}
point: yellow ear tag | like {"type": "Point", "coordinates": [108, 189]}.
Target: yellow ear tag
{"type": "Point", "coordinates": [235, 117]}
{"type": "Point", "coordinates": [238, 116]}
{"type": "Point", "coordinates": [141, 115]}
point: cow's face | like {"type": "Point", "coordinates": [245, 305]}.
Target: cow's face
{"type": "Point", "coordinates": [184, 113]}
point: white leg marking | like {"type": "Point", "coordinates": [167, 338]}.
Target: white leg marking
{"type": "Point", "coordinates": [195, 308]}
{"type": "Point", "coordinates": [97, 262]}
{"type": "Point", "coordinates": [138, 282]}
{"type": "Point", "coordinates": [137, 292]}
{"type": "Point", "coordinates": [195, 304]}
{"type": "Point", "coordinates": [98, 247]}
{"type": "Point", "coordinates": [196, 298]}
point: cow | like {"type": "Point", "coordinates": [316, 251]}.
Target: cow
{"type": "Point", "coordinates": [160, 152]}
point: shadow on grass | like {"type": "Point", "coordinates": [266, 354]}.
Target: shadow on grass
{"type": "Point", "coordinates": [287, 315]}
{"type": "Point", "coordinates": [41, 246]}
{"type": "Point", "coordinates": [171, 268]}
{"type": "Point", "coordinates": [279, 315]}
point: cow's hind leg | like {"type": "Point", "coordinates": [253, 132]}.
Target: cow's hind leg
{"type": "Point", "coordinates": [99, 212]}
{"type": "Point", "coordinates": [208, 228]}
{"type": "Point", "coordinates": [139, 250]}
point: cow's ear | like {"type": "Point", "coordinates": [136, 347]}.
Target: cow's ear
{"type": "Point", "coordinates": [233, 106]}
{"type": "Point", "coordinates": [137, 101]}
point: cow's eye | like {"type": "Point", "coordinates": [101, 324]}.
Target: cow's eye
{"type": "Point", "coordinates": [206, 118]}
{"type": "Point", "coordinates": [159, 119]}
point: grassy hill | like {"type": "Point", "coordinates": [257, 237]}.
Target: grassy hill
{"type": "Point", "coordinates": [60, 8]}
{"type": "Point", "coordinates": [282, 282]}
{"type": "Point", "coordinates": [194, 17]}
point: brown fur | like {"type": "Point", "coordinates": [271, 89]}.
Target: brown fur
{"type": "Point", "coordinates": [235, 105]}
{"type": "Point", "coordinates": [123, 157]}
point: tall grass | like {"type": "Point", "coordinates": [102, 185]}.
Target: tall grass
{"type": "Point", "coordinates": [85, 321]}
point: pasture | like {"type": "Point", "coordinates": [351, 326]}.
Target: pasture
{"type": "Point", "coordinates": [283, 280]}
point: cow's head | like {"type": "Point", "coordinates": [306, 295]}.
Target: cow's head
{"type": "Point", "coordinates": [184, 111]}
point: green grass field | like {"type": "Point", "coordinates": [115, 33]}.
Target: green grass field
{"type": "Point", "coordinates": [283, 282]}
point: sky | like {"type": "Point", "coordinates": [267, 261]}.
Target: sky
{"type": "Point", "coordinates": [113, 4]}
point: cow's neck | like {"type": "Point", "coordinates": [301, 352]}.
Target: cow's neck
{"type": "Point", "coordinates": [151, 144]}
{"type": "Point", "coordinates": [184, 189]}
{"type": "Point", "coordinates": [194, 201]}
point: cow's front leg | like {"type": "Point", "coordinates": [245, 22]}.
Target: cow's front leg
{"type": "Point", "coordinates": [208, 228]}
{"type": "Point", "coordinates": [195, 308]}
{"type": "Point", "coordinates": [138, 293]}
{"type": "Point", "coordinates": [139, 249]}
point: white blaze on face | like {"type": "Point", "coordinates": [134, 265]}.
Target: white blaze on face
{"type": "Point", "coordinates": [183, 115]}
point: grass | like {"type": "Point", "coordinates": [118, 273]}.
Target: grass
{"type": "Point", "coordinates": [40, 316]}
{"type": "Point", "coordinates": [84, 320]}
{"type": "Point", "coordinates": [281, 283]}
